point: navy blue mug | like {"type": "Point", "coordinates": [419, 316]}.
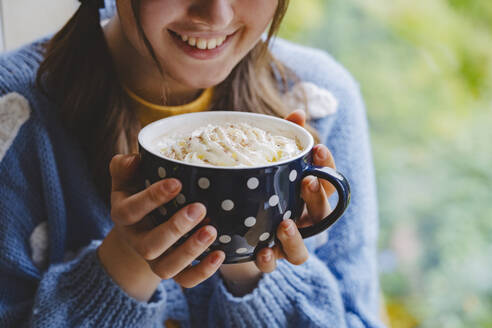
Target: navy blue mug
{"type": "Point", "coordinates": [244, 204]}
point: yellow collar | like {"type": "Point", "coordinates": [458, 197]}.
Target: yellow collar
{"type": "Point", "coordinates": [148, 112]}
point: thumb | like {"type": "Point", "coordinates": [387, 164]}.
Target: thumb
{"type": "Point", "coordinates": [122, 169]}
{"type": "Point", "coordinates": [298, 117]}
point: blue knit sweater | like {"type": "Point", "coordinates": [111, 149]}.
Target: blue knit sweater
{"type": "Point", "coordinates": [52, 221]}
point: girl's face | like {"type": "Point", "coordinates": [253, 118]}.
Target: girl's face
{"type": "Point", "coordinates": [197, 42]}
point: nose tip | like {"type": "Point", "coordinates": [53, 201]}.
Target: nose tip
{"type": "Point", "coordinates": [214, 13]}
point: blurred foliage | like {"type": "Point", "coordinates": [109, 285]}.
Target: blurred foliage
{"type": "Point", "coordinates": [425, 69]}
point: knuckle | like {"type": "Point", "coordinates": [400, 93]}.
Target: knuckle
{"type": "Point", "coordinates": [144, 250]}
{"type": "Point", "coordinates": [120, 214]}
{"type": "Point", "coordinates": [113, 164]}
{"type": "Point", "coordinates": [165, 275]}
{"type": "Point", "coordinates": [160, 271]}
{"type": "Point", "coordinates": [190, 251]}
{"type": "Point", "coordinates": [175, 228]}
{"type": "Point", "coordinates": [116, 213]}
{"type": "Point", "coordinates": [154, 195]}
{"type": "Point", "coordinates": [204, 272]}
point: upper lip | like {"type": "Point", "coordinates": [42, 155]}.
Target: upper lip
{"type": "Point", "coordinates": [204, 35]}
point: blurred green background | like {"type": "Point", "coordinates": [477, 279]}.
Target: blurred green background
{"type": "Point", "coordinates": [425, 70]}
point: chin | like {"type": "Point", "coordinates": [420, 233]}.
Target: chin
{"type": "Point", "coordinates": [203, 82]}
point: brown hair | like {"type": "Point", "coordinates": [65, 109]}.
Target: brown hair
{"type": "Point", "coordinates": [78, 74]}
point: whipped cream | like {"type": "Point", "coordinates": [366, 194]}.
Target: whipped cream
{"type": "Point", "coordinates": [228, 144]}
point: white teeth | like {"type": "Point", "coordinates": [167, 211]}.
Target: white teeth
{"type": "Point", "coordinates": [212, 44]}
{"type": "Point", "coordinates": [201, 44]}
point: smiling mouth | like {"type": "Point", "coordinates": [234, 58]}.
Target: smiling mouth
{"type": "Point", "coordinates": [201, 43]}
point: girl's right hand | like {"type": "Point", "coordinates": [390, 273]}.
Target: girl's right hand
{"type": "Point", "coordinates": [137, 256]}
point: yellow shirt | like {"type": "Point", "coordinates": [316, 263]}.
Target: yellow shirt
{"type": "Point", "coordinates": [148, 112]}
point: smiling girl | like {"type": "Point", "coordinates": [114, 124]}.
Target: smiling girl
{"type": "Point", "coordinates": [76, 249]}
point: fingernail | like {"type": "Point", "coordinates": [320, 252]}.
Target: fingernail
{"type": "Point", "coordinates": [171, 185]}
{"type": "Point", "coordinates": [204, 235]}
{"type": "Point", "coordinates": [289, 228]}
{"type": "Point", "coordinates": [314, 185]}
{"type": "Point", "coordinates": [194, 211]}
{"type": "Point", "coordinates": [321, 154]}
{"type": "Point", "coordinates": [216, 258]}
{"type": "Point", "coordinates": [266, 257]}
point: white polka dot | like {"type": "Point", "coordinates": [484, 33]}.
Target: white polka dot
{"type": "Point", "coordinates": [273, 200]}
{"type": "Point", "coordinates": [162, 172]}
{"type": "Point", "coordinates": [292, 175]}
{"type": "Point", "coordinates": [181, 199]}
{"type": "Point", "coordinates": [147, 183]}
{"type": "Point", "coordinates": [203, 183]}
{"type": "Point", "coordinates": [241, 250]}
{"type": "Point", "coordinates": [225, 239]}
{"type": "Point", "coordinates": [253, 183]}
{"type": "Point", "coordinates": [264, 236]}
{"type": "Point", "coordinates": [163, 210]}
{"type": "Point", "coordinates": [249, 222]}
{"type": "Point", "coordinates": [287, 215]}
{"type": "Point", "coordinates": [227, 205]}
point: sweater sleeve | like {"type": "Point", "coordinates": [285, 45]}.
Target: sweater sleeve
{"type": "Point", "coordinates": [79, 293]}
{"type": "Point", "coordinates": [350, 253]}
{"type": "Point", "coordinates": [338, 285]}
{"type": "Point", "coordinates": [75, 293]}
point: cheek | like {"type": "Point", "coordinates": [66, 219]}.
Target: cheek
{"type": "Point", "coordinates": [256, 14]}
{"type": "Point", "coordinates": [154, 15]}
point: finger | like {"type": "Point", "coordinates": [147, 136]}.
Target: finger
{"type": "Point", "coordinates": [192, 276]}
{"type": "Point", "coordinates": [265, 260]}
{"type": "Point", "coordinates": [305, 220]}
{"type": "Point", "coordinates": [315, 197]}
{"type": "Point", "coordinates": [292, 243]}
{"type": "Point", "coordinates": [298, 117]}
{"type": "Point", "coordinates": [129, 209]}
{"type": "Point", "coordinates": [180, 257]}
{"type": "Point", "coordinates": [278, 252]}
{"type": "Point", "coordinates": [122, 169]}
{"type": "Point", "coordinates": [151, 244]}
{"type": "Point", "coordinates": [323, 157]}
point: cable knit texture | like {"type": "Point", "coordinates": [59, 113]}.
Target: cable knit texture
{"type": "Point", "coordinates": [46, 189]}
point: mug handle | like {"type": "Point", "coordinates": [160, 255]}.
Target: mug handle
{"type": "Point", "coordinates": [343, 189]}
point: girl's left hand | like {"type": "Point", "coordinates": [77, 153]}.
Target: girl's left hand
{"type": "Point", "coordinates": [242, 278]}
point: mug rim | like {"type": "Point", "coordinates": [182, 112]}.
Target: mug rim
{"type": "Point", "coordinates": [299, 129]}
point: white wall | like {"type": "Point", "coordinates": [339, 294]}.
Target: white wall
{"type": "Point", "coordinates": [27, 20]}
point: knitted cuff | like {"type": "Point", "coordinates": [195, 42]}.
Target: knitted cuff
{"type": "Point", "coordinates": [278, 298]}
{"type": "Point", "coordinates": [92, 298]}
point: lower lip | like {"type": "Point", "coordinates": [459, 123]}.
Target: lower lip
{"type": "Point", "coordinates": [199, 53]}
